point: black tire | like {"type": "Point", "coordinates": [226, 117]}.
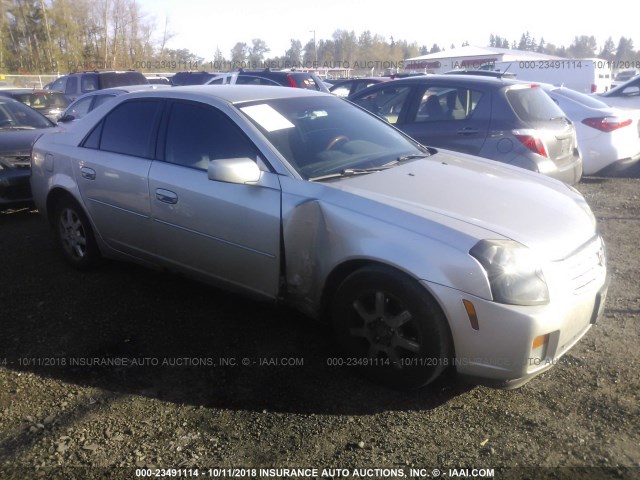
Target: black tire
{"type": "Point", "coordinates": [74, 235]}
{"type": "Point", "coordinates": [391, 328]}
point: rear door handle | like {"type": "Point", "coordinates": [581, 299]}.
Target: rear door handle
{"type": "Point", "coordinates": [166, 196]}
{"type": "Point", "coordinates": [467, 131]}
{"type": "Point", "coordinates": [88, 173]}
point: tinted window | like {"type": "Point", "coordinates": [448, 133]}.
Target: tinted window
{"type": "Point", "coordinates": [251, 80]}
{"type": "Point", "coordinates": [128, 129]}
{"type": "Point", "coordinates": [72, 85]}
{"type": "Point", "coordinates": [80, 108]}
{"type": "Point", "coordinates": [89, 83]}
{"type": "Point", "coordinates": [305, 81]}
{"type": "Point", "coordinates": [198, 133]}
{"type": "Point", "coordinates": [39, 100]}
{"type": "Point", "coordinates": [100, 99]}
{"type": "Point", "coordinates": [386, 102]}
{"type": "Point", "coordinates": [59, 84]}
{"type": "Point", "coordinates": [533, 104]}
{"type": "Point", "coordinates": [118, 79]}
{"type": "Point", "coordinates": [446, 103]}
{"type": "Point", "coordinates": [15, 114]}
{"type": "Point", "coordinates": [580, 98]}
{"type": "Point", "coordinates": [342, 90]}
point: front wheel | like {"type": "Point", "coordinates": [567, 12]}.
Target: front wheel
{"type": "Point", "coordinates": [74, 235]}
{"type": "Point", "coordinates": [391, 328]}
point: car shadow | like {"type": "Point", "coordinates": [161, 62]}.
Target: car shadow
{"type": "Point", "coordinates": [132, 331]}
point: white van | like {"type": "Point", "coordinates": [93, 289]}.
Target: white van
{"type": "Point", "coordinates": [586, 75]}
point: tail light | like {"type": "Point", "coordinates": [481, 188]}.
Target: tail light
{"type": "Point", "coordinates": [533, 143]}
{"type": "Point", "coordinates": [606, 124]}
{"type": "Point", "coordinates": [292, 82]}
{"type": "Point", "coordinates": [594, 88]}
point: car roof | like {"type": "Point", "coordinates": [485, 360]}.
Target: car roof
{"type": "Point", "coordinates": [232, 93]}
{"type": "Point", "coordinates": [26, 90]}
{"type": "Point", "coordinates": [457, 79]}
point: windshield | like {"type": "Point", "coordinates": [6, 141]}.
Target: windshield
{"type": "Point", "coordinates": [324, 135]}
{"type": "Point", "coordinates": [16, 116]}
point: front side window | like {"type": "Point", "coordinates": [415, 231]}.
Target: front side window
{"type": "Point", "coordinates": [129, 128]}
{"type": "Point", "coordinates": [386, 102]}
{"type": "Point", "coordinates": [198, 133]}
{"type": "Point", "coordinates": [446, 103]}
{"type": "Point", "coordinates": [80, 108]}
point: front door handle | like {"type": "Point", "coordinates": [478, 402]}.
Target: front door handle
{"type": "Point", "coordinates": [166, 196]}
{"type": "Point", "coordinates": [88, 173]}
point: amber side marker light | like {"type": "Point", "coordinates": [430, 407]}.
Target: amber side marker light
{"type": "Point", "coordinates": [471, 313]}
{"type": "Point", "coordinates": [539, 341]}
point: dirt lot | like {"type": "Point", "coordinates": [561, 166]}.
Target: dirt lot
{"type": "Point", "coordinates": [221, 382]}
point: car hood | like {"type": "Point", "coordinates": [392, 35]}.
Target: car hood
{"type": "Point", "coordinates": [13, 142]}
{"type": "Point", "coordinates": [504, 201]}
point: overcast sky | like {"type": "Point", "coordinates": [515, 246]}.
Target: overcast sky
{"type": "Point", "coordinates": [203, 25]}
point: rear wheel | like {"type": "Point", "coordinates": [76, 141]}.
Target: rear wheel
{"type": "Point", "coordinates": [391, 328]}
{"type": "Point", "coordinates": [74, 235]}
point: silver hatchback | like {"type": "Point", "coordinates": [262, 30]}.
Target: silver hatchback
{"type": "Point", "coordinates": [420, 259]}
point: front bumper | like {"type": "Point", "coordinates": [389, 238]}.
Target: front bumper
{"type": "Point", "coordinates": [504, 351]}
{"type": "Point", "coordinates": [14, 185]}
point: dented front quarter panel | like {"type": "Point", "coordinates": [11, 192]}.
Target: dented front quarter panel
{"type": "Point", "coordinates": [323, 227]}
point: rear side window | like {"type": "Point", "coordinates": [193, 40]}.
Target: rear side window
{"type": "Point", "coordinates": [129, 128]}
{"type": "Point", "coordinates": [89, 83]}
{"type": "Point", "coordinates": [119, 79]}
{"type": "Point", "coordinates": [197, 134]}
{"type": "Point", "coordinates": [532, 104]}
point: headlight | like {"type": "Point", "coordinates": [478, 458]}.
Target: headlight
{"type": "Point", "coordinates": [513, 271]}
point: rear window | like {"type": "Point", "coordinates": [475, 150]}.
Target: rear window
{"type": "Point", "coordinates": [580, 98]}
{"type": "Point", "coordinates": [306, 81]}
{"type": "Point", "coordinates": [191, 78]}
{"type": "Point", "coordinates": [39, 101]}
{"type": "Point", "coordinates": [532, 104]}
{"type": "Point", "coordinates": [119, 79]}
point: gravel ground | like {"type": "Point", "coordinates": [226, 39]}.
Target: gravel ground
{"type": "Point", "coordinates": [216, 381]}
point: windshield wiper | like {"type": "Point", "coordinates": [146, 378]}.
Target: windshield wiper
{"type": "Point", "coordinates": [349, 172]}
{"type": "Point", "coordinates": [412, 156]}
{"type": "Point", "coordinates": [16, 127]}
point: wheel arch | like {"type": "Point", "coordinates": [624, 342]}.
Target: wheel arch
{"type": "Point", "coordinates": [341, 271]}
{"type": "Point", "coordinates": [54, 197]}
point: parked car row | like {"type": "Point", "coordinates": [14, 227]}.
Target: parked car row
{"type": "Point", "coordinates": [487, 115]}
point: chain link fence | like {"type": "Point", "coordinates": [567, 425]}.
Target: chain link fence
{"type": "Point", "coordinates": [25, 81]}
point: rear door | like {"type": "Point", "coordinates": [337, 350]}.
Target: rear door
{"type": "Point", "coordinates": [112, 178]}
{"type": "Point", "coordinates": [223, 231]}
{"type": "Point", "coordinates": [449, 116]}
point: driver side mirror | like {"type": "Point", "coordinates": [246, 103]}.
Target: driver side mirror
{"type": "Point", "coordinates": [234, 170]}
{"type": "Point", "coordinates": [67, 118]}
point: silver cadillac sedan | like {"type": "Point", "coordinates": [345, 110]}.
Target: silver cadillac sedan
{"type": "Point", "coordinates": [421, 259]}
